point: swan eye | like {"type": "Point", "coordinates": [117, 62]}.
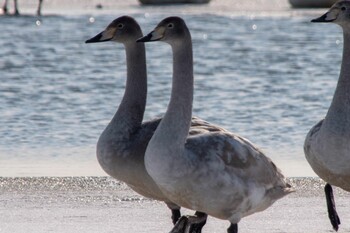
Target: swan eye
{"type": "Point", "coordinates": [120, 26]}
{"type": "Point", "coordinates": [170, 25]}
{"type": "Point", "coordinates": [343, 8]}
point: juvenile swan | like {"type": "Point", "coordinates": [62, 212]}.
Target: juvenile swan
{"type": "Point", "coordinates": [219, 173]}
{"type": "Point", "coordinates": [327, 145]}
{"type": "Point", "coordinates": [121, 146]}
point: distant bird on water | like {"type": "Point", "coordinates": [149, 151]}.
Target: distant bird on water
{"type": "Point", "coordinates": [327, 145]}
{"type": "Point", "coordinates": [16, 12]}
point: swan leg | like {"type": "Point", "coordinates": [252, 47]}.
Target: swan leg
{"type": "Point", "coordinates": [4, 8]}
{"type": "Point", "coordinates": [233, 228]}
{"type": "Point", "coordinates": [16, 7]}
{"type": "Point", "coordinates": [175, 215]}
{"type": "Point", "coordinates": [38, 12]}
{"type": "Point", "coordinates": [190, 224]}
{"type": "Point", "coordinates": [180, 226]}
{"type": "Point", "coordinates": [332, 212]}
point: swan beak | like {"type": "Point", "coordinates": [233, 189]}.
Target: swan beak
{"type": "Point", "coordinates": [106, 35]}
{"type": "Point", "coordinates": [146, 38]}
{"type": "Point", "coordinates": [330, 16]}
{"type": "Point", "coordinates": [155, 35]}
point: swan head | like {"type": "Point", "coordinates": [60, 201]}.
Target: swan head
{"type": "Point", "coordinates": [170, 30]}
{"type": "Point", "coordinates": [124, 30]}
{"type": "Point", "coordinates": [339, 13]}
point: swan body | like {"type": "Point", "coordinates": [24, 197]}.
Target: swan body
{"type": "Point", "coordinates": [122, 145]}
{"type": "Point", "coordinates": [219, 173]}
{"type": "Point", "coordinates": [327, 154]}
{"type": "Point", "coordinates": [327, 147]}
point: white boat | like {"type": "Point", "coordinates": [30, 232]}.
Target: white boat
{"type": "Point", "coordinates": [161, 2]}
{"type": "Point", "coordinates": [312, 3]}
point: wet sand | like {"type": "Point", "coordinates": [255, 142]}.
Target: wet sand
{"type": "Point", "coordinates": [101, 204]}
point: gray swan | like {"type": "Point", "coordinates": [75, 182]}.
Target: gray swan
{"type": "Point", "coordinates": [218, 173]}
{"type": "Point", "coordinates": [327, 145]}
{"type": "Point", "coordinates": [122, 145]}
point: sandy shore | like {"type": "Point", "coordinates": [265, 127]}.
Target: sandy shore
{"type": "Point", "coordinates": [101, 204]}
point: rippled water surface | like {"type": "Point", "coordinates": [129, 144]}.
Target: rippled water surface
{"type": "Point", "coordinates": [267, 77]}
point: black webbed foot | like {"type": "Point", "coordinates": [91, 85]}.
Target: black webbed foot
{"type": "Point", "coordinates": [190, 224]}
{"type": "Point", "coordinates": [181, 225]}
{"type": "Point", "coordinates": [196, 227]}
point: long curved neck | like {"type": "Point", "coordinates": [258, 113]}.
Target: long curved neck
{"type": "Point", "coordinates": [130, 113]}
{"type": "Point", "coordinates": [177, 120]}
{"type": "Point", "coordinates": [338, 116]}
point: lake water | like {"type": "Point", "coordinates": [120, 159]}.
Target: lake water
{"type": "Point", "coordinates": [262, 70]}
